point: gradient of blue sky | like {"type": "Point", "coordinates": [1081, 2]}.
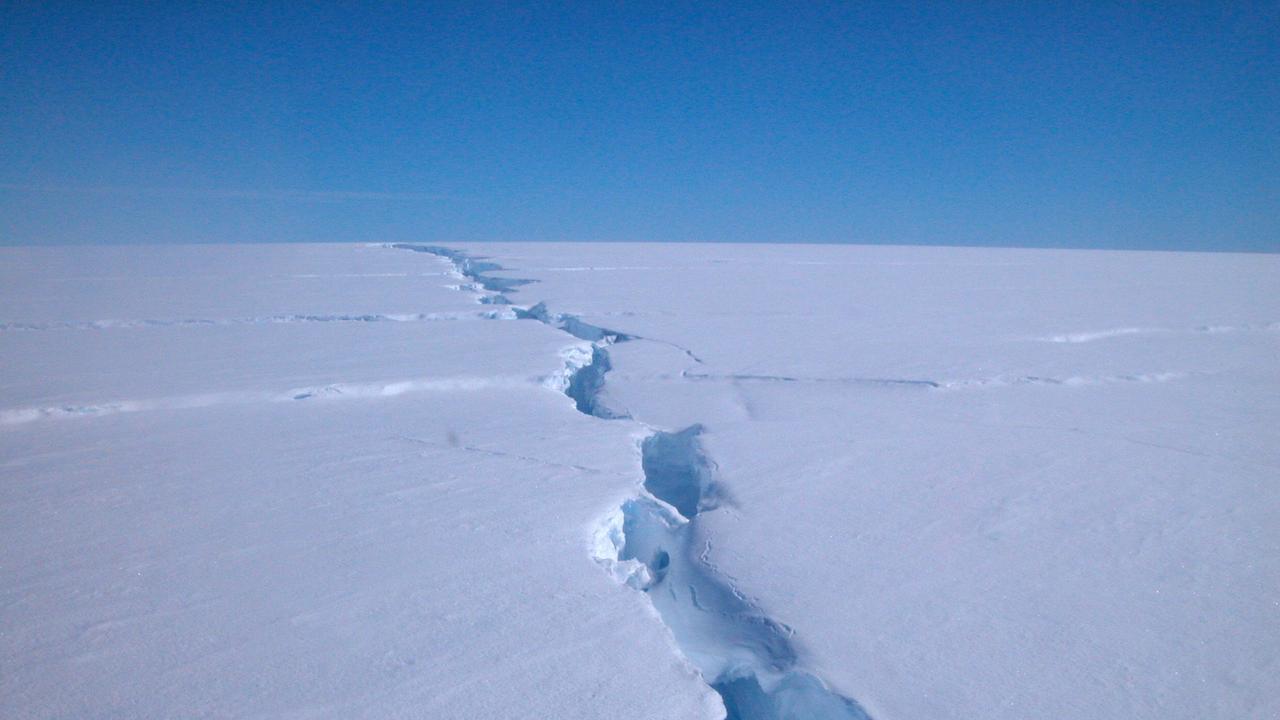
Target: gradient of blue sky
{"type": "Point", "coordinates": [1137, 125]}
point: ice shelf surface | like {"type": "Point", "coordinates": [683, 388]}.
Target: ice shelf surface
{"type": "Point", "coordinates": [652, 481]}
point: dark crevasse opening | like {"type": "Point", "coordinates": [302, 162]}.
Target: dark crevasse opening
{"type": "Point", "coordinates": [677, 472]}
{"type": "Point", "coordinates": [471, 268]}
{"type": "Point", "coordinates": [587, 383]}
{"type": "Point", "coordinates": [746, 657]}
{"type": "Point", "coordinates": [742, 654]}
{"type": "Point", "coordinates": [571, 324]}
{"type": "Point", "coordinates": [797, 696]}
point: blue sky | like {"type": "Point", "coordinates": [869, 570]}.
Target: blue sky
{"type": "Point", "coordinates": [1130, 125]}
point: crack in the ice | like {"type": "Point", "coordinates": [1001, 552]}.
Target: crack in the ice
{"type": "Point", "coordinates": [1109, 333]}
{"type": "Point", "coordinates": [453, 443]}
{"type": "Point", "coordinates": [571, 324]}
{"type": "Point", "coordinates": [583, 377]}
{"type": "Point", "coordinates": [649, 542]}
{"type": "Point", "coordinates": [873, 381]}
{"type": "Point", "coordinates": [979, 383]}
{"type": "Point", "coordinates": [1069, 381]}
{"type": "Point", "coordinates": [586, 384]}
{"type": "Point", "coordinates": [473, 269]}
{"type": "Point", "coordinates": [285, 319]}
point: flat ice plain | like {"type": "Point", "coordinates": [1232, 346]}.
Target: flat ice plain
{"type": "Point", "coordinates": [638, 481]}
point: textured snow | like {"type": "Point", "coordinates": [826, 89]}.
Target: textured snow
{"type": "Point", "coordinates": [416, 548]}
{"type": "Point", "coordinates": [796, 481]}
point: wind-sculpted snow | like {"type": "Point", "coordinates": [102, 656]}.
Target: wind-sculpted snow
{"type": "Point", "coordinates": [754, 481]}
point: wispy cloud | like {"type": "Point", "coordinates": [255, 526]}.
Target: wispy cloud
{"type": "Point", "coordinates": [323, 196]}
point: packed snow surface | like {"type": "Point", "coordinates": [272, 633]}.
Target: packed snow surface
{"type": "Point", "coordinates": [652, 481]}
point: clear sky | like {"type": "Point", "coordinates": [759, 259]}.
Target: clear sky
{"type": "Point", "coordinates": [1127, 124]}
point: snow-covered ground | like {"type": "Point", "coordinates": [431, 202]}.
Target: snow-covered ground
{"type": "Point", "coordinates": [650, 481]}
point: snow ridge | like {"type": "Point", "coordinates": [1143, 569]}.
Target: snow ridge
{"type": "Point", "coordinates": [871, 381]}
{"type": "Point", "coordinates": [1069, 381]}
{"type": "Point", "coordinates": [650, 542]}
{"type": "Point", "coordinates": [1095, 335]}
{"type": "Point", "coordinates": [332, 391]}
{"type": "Point", "coordinates": [978, 383]}
{"type": "Point", "coordinates": [112, 324]}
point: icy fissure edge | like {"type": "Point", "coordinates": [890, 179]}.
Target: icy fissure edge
{"type": "Point", "coordinates": [650, 542]}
